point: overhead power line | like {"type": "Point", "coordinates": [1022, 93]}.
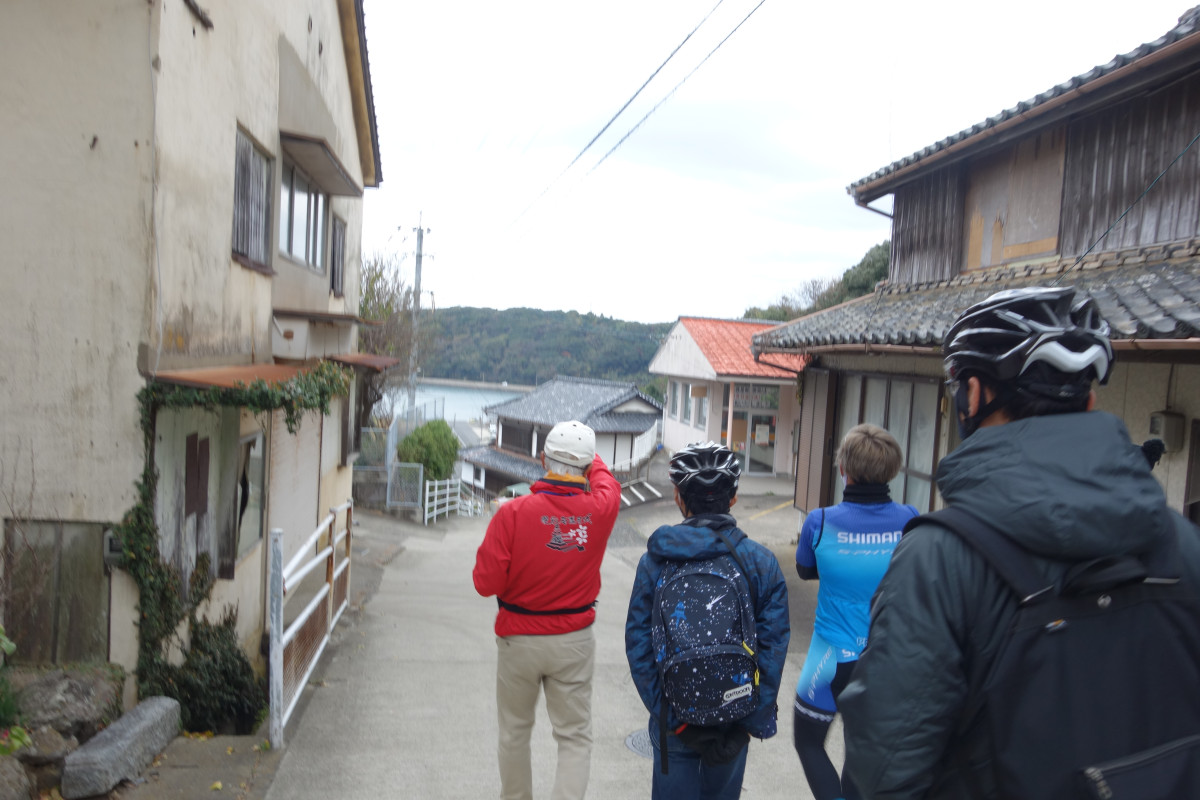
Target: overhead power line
{"type": "Point", "coordinates": [681, 83]}
{"type": "Point", "coordinates": [643, 86]}
{"type": "Point", "coordinates": [621, 110]}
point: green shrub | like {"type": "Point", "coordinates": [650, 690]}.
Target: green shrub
{"type": "Point", "coordinates": [215, 685]}
{"type": "Point", "coordinates": [433, 445]}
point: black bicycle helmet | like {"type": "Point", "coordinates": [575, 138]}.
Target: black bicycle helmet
{"type": "Point", "coordinates": [707, 468]}
{"type": "Point", "coordinates": [1004, 335]}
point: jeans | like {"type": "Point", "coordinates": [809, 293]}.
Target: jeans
{"type": "Point", "coordinates": [689, 779]}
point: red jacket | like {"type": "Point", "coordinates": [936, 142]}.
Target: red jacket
{"type": "Point", "coordinates": [542, 552]}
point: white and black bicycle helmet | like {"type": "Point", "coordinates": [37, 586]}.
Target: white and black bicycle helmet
{"type": "Point", "coordinates": [1002, 337]}
{"type": "Point", "coordinates": [705, 468]}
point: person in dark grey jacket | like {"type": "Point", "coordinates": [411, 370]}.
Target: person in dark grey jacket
{"type": "Point", "coordinates": [1062, 480]}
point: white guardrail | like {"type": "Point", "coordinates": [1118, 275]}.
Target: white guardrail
{"type": "Point", "coordinates": [295, 651]}
{"type": "Point", "coordinates": [443, 497]}
{"type": "Point", "coordinates": [643, 448]}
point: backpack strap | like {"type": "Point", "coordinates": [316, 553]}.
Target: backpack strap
{"type": "Point", "coordinates": [1011, 561]}
{"type": "Point", "coordinates": [741, 564]}
{"type": "Point", "coordinates": [820, 531]}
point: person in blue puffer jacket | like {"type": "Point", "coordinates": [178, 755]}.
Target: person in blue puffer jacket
{"type": "Point", "coordinates": [707, 763]}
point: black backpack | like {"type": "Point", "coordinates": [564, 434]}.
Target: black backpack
{"type": "Point", "coordinates": [1095, 692]}
{"type": "Point", "coordinates": [703, 632]}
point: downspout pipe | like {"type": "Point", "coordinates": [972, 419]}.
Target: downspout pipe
{"type": "Point", "coordinates": [863, 204]}
{"type": "Point", "coordinates": [793, 370]}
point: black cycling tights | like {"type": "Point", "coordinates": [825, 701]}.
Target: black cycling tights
{"type": "Point", "coordinates": [808, 735]}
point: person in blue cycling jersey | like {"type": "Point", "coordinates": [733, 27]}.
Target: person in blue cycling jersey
{"type": "Point", "coordinates": [847, 547]}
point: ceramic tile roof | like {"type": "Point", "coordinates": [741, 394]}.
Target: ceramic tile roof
{"type": "Point", "coordinates": [1140, 298]}
{"type": "Point", "coordinates": [1189, 23]}
{"type": "Point", "coordinates": [726, 345]}
{"type": "Point", "coordinates": [588, 400]}
{"type": "Point", "coordinates": [525, 469]}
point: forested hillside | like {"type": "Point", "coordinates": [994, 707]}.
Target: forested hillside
{"type": "Point", "coordinates": [527, 345]}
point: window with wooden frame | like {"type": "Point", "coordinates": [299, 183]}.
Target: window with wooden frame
{"type": "Point", "coordinates": [251, 206]}
{"type": "Point", "coordinates": [303, 217]}
{"type": "Point", "coordinates": [908, 407]}
{"type": "Point", "coordinates": [337, 257]}
{"type": "Point", "coordinates": [249, 490]}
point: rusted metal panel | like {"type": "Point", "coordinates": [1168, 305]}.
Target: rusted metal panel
{"type": "Point", "coordinates": [1114, 155]}
{"type": "Point", "coordinates": [229, 377]}
{"type": "Point", "coordinates": [927, 227]}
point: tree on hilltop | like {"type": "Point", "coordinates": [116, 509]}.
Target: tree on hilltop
{"type": "Point", "coordinates": [820, 293]}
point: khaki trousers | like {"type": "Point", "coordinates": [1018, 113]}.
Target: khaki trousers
{"type": "Point", "coordinates": [562, 666]}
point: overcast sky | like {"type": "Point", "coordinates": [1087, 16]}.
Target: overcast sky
{"type": "Point", "coordinates": [733, 191]}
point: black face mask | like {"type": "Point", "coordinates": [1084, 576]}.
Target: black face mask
{"type": "Point", "coordinates": [962, 404]}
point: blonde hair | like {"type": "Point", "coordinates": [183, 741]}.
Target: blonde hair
{"type": "Point", "coordinates": [869, 454]}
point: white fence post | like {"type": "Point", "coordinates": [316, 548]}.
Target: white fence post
{"type": "Point", "coordinates": [275, 609]}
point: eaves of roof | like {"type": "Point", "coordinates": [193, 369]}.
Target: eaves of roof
{"type": "Point", "coordinates": [630, 422]}
{"type": "Point", "coordinates": [362, 98]}
{"type": "Point", "coordinates": [1069, 96]}
{"type": "Point", "coordinates": [1151, 301]}
{"type": "Point", "coordinates": [525, 469]}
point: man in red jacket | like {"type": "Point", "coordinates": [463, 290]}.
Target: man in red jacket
{"type": "Point", "coordinates": [541, 559]}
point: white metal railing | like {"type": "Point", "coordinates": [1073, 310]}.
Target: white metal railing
{"type": "Point", "coordinates": [443, 497]}
{"type": "Point", "coordinates": [296, 650]}
{"type": "Point", "coordinates": [643, 448]}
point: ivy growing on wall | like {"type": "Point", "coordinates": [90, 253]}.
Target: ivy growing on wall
{"type": "Point", "coordinates": [202, 683]}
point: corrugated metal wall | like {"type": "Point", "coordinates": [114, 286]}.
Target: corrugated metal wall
{"type": "Point", "coordinates": [1112, 156]}
{"type": "Point", "coordinates": [927, 227]}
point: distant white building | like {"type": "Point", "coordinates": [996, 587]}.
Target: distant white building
{"type": "Point", "coordinates": [625, 421]}
{"type": "Point", "coordinates": [717, 391]}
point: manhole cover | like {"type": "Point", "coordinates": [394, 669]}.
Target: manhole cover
{"type": "Point", "coordinates": [639, 742]}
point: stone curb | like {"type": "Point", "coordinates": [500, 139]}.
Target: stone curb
{"type": "Point", "coordinates": [122, 750]}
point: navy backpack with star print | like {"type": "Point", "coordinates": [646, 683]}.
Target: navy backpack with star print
{"type": "Point", "coordinates": [702, 628]}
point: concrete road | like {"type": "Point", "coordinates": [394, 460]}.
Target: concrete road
{"type": "Point", "coordinates": [403, 703]}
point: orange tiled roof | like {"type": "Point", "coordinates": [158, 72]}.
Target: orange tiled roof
{"type": "Point", "coordinates": [726, 345]}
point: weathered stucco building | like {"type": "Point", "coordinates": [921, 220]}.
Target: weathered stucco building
{"type": "Point", "coordinates": [182, 204]}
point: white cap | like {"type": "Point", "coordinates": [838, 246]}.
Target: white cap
{"type": "Point", "coordinates": [571, 443]}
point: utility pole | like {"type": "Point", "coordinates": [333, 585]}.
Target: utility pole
{"type": "Point", "coordinates": [416, 317]}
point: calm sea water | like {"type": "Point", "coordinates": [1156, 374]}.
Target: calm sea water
{"type": "Point", "coordinates": [459, 403]}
